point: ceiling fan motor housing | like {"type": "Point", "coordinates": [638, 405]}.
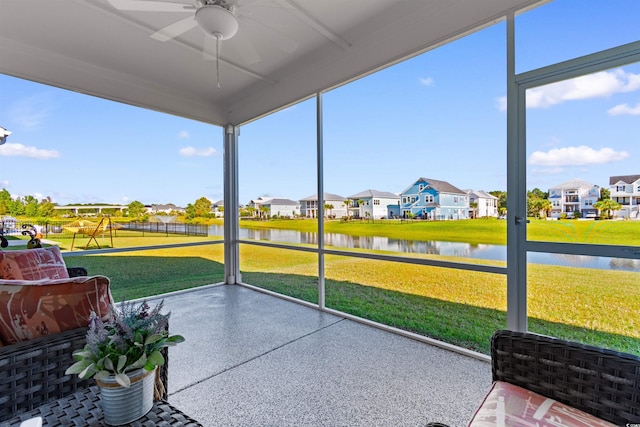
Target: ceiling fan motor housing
{"type": "Point", "coordinates": [217, 22]}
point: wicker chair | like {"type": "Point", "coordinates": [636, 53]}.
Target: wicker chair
{"type": "Point", "coordinates": [32, 372]}
{"type": "Point", "coordinates": [600, 382]}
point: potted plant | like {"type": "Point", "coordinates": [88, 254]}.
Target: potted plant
{"type": "Point", "coordinates": [122, 355]}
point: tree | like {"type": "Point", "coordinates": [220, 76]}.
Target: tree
{"type": "Point", "coordinates": [347, 202]}
{"type": "Point", "coordinates": [474, 209]}
{"type": "Point", "coordinates": [46, 208]}
{"type": "Point", "coordinates": [5, 201]}
{"type": "Point", "coordinates": [136, 209]}
{"type": "Point", "coordinates": [502, 200]}
{"type": "Point", "coordinates": [328, 207]}
{"type": "Point", "coordinates": [203, 207]}
{"type": "Point", "coordinates": [607, 205]}
{"type": "Point", "coordinates": [264, 211]}
{"type": "Point", "coordinates": [545, 206]}
{"type": "Point", "coordinates": [537, 193]}
{"type": "Point", "coordinates": [31, 206]}
{"type": "Point", "coordinates": [537, 201]}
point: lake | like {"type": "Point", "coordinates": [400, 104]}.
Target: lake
{"type": "Point", "coordinates": [452, 249]}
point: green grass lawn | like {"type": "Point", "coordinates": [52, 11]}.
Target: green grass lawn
{"type": "Point", "coordinates": [461, 307]}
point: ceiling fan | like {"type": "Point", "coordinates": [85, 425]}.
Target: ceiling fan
{"type": "Point", "coordinates": [218, 19]}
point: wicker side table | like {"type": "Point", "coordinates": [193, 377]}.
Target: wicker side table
{"type": "Point", "coordinates": [83, 409]}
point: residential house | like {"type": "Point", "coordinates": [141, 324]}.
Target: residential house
{"type": "Point", "coordinates": [265, 206]}
{"type": "Point", "coordinates": [309, 206]}
{"type": "Point", "coordinates": [626, 191]}
{"type": "Point", "coordinates": [279, 207]}
{"type": "Point", "coordinates": [372, 204]}
{"type": "Point", "coordinates": [218, 208]}
{"type": "Point", "coordinates": [432, 199]}
{"type": "Point", "coordinates": [574, 196]}
{"type": "Point", "coordinates": [168, 208]}
{"type": "Point", "coordinates": [486, 205]}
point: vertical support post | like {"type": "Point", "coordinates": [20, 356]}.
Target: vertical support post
{"type": "Point", "coordinates": [231, 206]}
{"type": "Point", "coordinates": [516, 193]}
{"type": "Point", "coordinates": [320, 160]}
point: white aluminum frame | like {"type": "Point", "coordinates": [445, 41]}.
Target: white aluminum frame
{"type": "Point", "coordinates": [518, 245]}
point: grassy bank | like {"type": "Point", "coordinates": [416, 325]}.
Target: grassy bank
{"type": "Point", "coordinates": [474, 231]}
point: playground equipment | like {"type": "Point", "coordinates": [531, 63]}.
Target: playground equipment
{"type": "Point", "coordinates": [91, 229]}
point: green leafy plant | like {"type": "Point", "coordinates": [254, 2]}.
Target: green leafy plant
{"type": "Point", "coordinates": [131, 339]}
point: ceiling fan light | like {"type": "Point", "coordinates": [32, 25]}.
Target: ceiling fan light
{"type": "Point", "coordinates": [217, 22]}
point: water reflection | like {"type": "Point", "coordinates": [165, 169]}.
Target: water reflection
{"type": "Point", "coordinates": [452, 249]}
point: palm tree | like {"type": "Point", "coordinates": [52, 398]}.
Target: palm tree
{"type": "Point", "coordinates": [474, 209]}
{"type": "Point", "coordinates": [264, 210]}
{"type": "Point", "coordinates": [347, 202]}
{"type": "Point", "coordinates": [360, 203]}
{"type": "Point", "coordinates": [546, 206]}
{"type": "Point", "coordinates": [607, 205]}
{"type": "Point", "coordinates": [328, 207]}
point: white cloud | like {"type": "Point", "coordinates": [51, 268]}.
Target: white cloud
{"type": "Point", "coordinates": [4, 183]}
{"type": "Point", "coordinates": [576, 156]}
{"type": "Point", "coordinates": [597, 85]}
{"type": "Point", "coordinates": [19, 150]}
{"type": "Point", "coordinates": [624, 109]}
{"type": "Point", "coordinates": [183, 134]}
{"type": "Point", "coordinates": [426, 81]}
{"type": "Point", "coordinates": [193, 152]}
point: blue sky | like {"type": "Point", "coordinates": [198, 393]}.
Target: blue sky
{"type": "Point", "coordinates": [439, 115]}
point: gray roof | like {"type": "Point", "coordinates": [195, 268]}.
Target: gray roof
{"type": "Point", "coordinates": [574, 183]}
{"type": "Point", "coordinates": [441, 186]}
{"type": "Point", "coordinates": [327, 196]}
{"type": "Point", "coordinates": [167, 206]}
{"type": "Point", "coordinates": [480, 194]}
{"type": "Point", "coordinates": [374, 193]}
{"type": "Point", "coordinates": [281, 202]}
{"type": "Point", "coordinates": [627, 179]}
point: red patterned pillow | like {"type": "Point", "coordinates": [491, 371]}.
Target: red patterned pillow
{"type": "Point", "coordinates": [30, 309]}
{"type": "Point", "coordinates": [33, 264]}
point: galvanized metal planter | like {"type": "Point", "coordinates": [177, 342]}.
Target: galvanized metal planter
{"type": "Point", "coordinates": [121, 405]}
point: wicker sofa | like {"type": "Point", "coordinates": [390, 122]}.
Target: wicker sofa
{"type": "Point", "coordinates": [572, 382]}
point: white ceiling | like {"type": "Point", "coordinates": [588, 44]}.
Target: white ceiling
{"type": "Point", "coordinates": [284, 51]}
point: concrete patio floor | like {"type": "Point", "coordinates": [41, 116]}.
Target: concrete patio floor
{"type": "Point", "coordinates": [252, 359]}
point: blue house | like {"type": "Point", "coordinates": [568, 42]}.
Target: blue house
{"type": "Point", "coordinates": [432, 199]}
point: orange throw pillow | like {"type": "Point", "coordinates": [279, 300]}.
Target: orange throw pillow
{"type": "Point", "coordinates": [30, 309]}
{"type": "Point", "coordinates": [33, 264]}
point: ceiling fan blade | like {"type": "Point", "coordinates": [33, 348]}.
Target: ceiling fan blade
{"type": "Point", "coordinates": [246, 49]}
{"type": "Point", "coordinates": [175, 29]}
{"type": "Point", "coordinates": [276, 37]}
{"type": "Point", "coordinates": [150, 6]}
